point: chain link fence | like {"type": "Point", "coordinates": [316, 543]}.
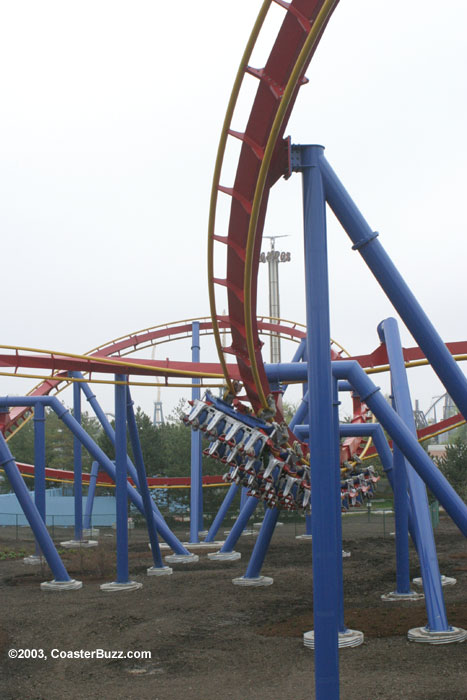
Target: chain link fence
{"type": "Point", "coordinates": [372, 520]}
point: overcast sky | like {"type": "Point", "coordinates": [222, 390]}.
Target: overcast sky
{"type": "Point", "coordinates": [110, 120]}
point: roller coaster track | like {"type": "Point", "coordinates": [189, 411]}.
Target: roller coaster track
{"type": "Point", "coordinates": [96, 359]}
{"type": "Point", "coordinates": [104, 359]}
{"type": "Point", "coordinates": [264, 158]}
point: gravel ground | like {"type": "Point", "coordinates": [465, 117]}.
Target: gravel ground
{"type": "Point", "coordinates": [210, 640]}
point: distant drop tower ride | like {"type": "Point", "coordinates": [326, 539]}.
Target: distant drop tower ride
{"type": "Point", "coordinates": [158, 417]}
{"type": "Point", "coordinates": [273, 257]}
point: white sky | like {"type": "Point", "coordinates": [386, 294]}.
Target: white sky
{"type": "Point", "coordinates": [110, 119]}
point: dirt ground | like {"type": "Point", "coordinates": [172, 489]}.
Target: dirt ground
{"type": "Point", "coordinates": [211, 640]}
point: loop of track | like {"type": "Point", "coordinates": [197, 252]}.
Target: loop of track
{"type": "Point", "coordinates": [264, 157]}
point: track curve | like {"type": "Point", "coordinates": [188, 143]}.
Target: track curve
{"type": "Point", "coordinates": [130, 343]}
{"type": "Point", "coordinates": [264, 158]}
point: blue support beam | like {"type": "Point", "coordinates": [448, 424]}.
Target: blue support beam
{"type": "Point", "coordinates": [436, 610]}
{"type": "Point", "coordinates": [222, 512]}
{"type": "Point", "coordinates": [164, 530]}
{"type": "Point", "coordinates": [121, 480]}
{"type": "Point", "coordinates": [39, 463]}
{"type": "Point", "coordinates": [392, 423]}
{"type": "Point", "coordinates": [91, 494]}
{"type": "Point", "coordinates": [338, 510]}
{"type": "Point", "coordinates": [262, 544]}
{"type": "Point", "coordinates": [240, 524]}
{"type": "Point", "coordinates": [196, 488]}
{"type": "Point", "coordinates": [327, 550]}
{"type": "Point", "coordinates": [143, 484]}
{"type": "Point", "coordinates": [7, 462]}
{"type": "Point", "coordinates": [398, 292]}
{"type": "Point", "coordinates": [77, 466]}
{"type": "Point", "coordinates": [98, 454]}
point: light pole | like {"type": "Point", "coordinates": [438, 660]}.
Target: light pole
{"type": "Point", "coordinates": [273, 257]}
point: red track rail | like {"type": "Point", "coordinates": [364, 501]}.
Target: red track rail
{"type": "Point", "coordinates": [104, 479]}
{"type": "Point", "coordinates": [273, 78]}
{"type": "Point", "coordinates": [376, 361]}
{"type": "Point", "coordinates": [122, 347]}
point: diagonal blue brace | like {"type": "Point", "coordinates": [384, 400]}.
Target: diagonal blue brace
{"type": "Point", "coordinates": [143, 483]}
{"type": "Point", "coordinates": [436, 610]}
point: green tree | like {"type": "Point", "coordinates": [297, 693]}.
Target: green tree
{"type": "Point", "coordinates": [58, 443]}
{"type": "Point", "coordinates": [454, 466]}
{"type": "Point", "coordinates": [22, 443]}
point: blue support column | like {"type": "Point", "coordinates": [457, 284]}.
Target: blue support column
{"type": "Point", "coordinates": [144, 489]}
{"type": "Point", "coordinates": [196, 489]}
{"type": "Point", "coordinates": [402, 436]}
{"type": "Point", "coordinates": [301, 414]}
{"type": "Point", "coordinates": [91, 495]}
{"type": "Point", "coordinates": [121, 480]}
{"type": "Point", "coordinates": [253, 573]}
{"type": "Point", "coordinates": [61, 577]}
{"type": "Point", "coordinates": [39, 464]}
{"type": "Point", "coordinates": [77, 466]}
{"type": "Point", "coordinates": [327, 550]}
{"type": "Point", "coordinates": [337, 476]}
{"type": "Point", "coordinates": [98, 454]}
{"type": "Point", "coordinates": [239, 525]}
{"type": "Point", "coordinates": [388, 276]}
{"type": "Point", "coordinates": [401, 517]}
{"type": "Point", "coordinates": [243, 496]}
{"type": "Point", "coordinates": [221, 513]}
{"type": "Point", "coordinates": [301, 356]}
{"type": "Point", "coordinates": [110, 432]}
{"type": "Point", "coordinates": [435, 607]}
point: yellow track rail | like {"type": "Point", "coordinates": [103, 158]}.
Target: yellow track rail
{"type": "Point", "coordinates": [308, 47]}
{"type": "Point", "coordinates": [216, 179]}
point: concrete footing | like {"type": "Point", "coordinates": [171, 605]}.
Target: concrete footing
{"type": "Point", "coordinates": [445, 581]}
{"type": "Point", "coordinates": [259, 581]}
{"type": "Point", "coordinates": [182, 558]}
{"type": "Point", "coordinates": [394, 596]}
{"type": "Point", "coordinates": [79, 544]}
{"type": "Point", "coordinates": [71, 585]}
{"type": "Point", "coordinates": [349, 638]}
{"type": "Point", "coordinates": [34, 560]}
{"type": "Point", "coordinates": [159, 571]}
{"type": "Point", "coordinates": [426, 636]}
{"type": "Point", "coordinates": [224, 556]}
{"type": "Point", "coordinates": [115, 586]}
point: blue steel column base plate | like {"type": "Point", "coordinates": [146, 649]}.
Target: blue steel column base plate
{"type": "Point", "coordinates": [424, 635]}
{"type": "Point", "coordinates": [258, 581]}
{"type": "Point", "coordinates": [304, 537]}
{"type": "Point", "coordinates": [394, 595]}
{"type": "Point", "coordinates": [71, 585]}
{"type": "Point", "coordinates": [445, 581]}
{"type": "Point", "coordinates": [349, 638]}
{"type": "Point", "coordinates": [182, 558]}
{"type": "Point", "coordinates": [115, 586]}
{"type": "Point", "coordinates": [159, 571]}
{"type": "Point", "coordinates": [33, 560]}
{"type": "Point", "coordinates": [78, 544]}
{"type": "Point", "coordinates": [224, 556]}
